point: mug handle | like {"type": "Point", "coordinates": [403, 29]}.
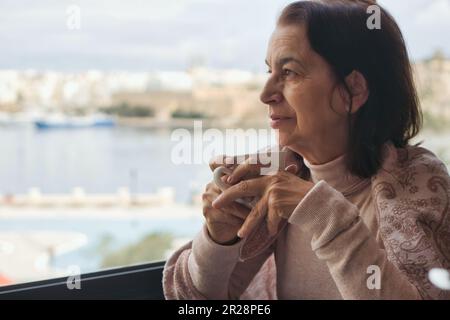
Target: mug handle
{"type": "Point", "coordinates": [218, 173]}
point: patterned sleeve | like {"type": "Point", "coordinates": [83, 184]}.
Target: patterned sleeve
{"type": "Point", "coordinates": [412, 195]}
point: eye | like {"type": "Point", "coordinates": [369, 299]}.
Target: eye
{"type": "Point", "coordinates": [288, 72]}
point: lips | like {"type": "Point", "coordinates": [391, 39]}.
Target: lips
{"type": "Point", "coordinates": [279, 120]}
{"type": "Point", "coordinates": [279, 117]}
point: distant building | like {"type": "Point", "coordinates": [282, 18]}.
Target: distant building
{"type": "Point", "coordinates": [433, 83]}
{"type": "Point", "coordinates": [231, 95]}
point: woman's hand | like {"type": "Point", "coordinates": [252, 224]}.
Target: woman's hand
{"type": "Point", "coordinates": [279, 195]}
{"type": "Point", "coordinates": [251, 166]}
{"type": "Point", "coordinates": [224, 223]}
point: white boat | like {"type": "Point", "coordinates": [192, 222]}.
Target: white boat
{"type": "Point", "coordinates": [73, 122]}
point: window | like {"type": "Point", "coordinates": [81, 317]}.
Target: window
{"type": "Point", "coordinates": [96, 99]}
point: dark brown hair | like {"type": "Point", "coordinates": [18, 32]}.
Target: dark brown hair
{"type": "Point", "coordinates": [337, 30]}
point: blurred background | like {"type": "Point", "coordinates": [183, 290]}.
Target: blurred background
{"type": "Point", "coordinates": [91, 91]}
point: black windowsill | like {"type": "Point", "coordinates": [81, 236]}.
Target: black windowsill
{"type": "Point", "coordinates": [133, 282]}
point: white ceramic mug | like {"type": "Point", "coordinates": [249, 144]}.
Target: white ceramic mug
{"type": "Point", "coordinates": [221, 171]}
{"type": "Point", "coordinates": [248, 202]}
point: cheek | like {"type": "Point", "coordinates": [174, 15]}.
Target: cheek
{"type": "Point", "coordinates": [305, 100]}
{"type": "Point", "coordinates": [314, 113]}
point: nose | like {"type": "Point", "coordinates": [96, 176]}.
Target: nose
{"type": "Point", "coordinates": [271, 94]}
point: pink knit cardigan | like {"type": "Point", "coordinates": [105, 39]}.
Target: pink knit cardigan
{"type": "Point", "coordinates": [411, 193]}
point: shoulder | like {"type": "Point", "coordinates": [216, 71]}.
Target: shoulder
{"type": "Point", "coordinates": [412, 185]}
{"type": "Point", "coordinates": [410, 166]}
{"type": "Point", "coordinates": [412, 196]}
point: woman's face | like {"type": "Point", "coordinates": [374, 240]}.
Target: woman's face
{"type": "Point", "coordinates": [305, 104]}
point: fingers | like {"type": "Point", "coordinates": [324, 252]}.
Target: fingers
{"type": "Point", "coordinates": [222, 160]}
{"type": "Point", "coordinates": [248, 167]}
{"type": "Point", "coordinates": [219, 177]}
{"type": "Point", "coordinates": [255, 217]}
{"type": "Point", "coordinates": [237, 210]}
{"type": "Point", "coordinates": [252, 166]}
{"type": "Point", "coordinates": [234, 208]}
{"type": "Point", "coordinates": [212, 187]}
{"type": "Point", "coordinates": [261, 211]}
{"type": "Point", "coordinates": [273, 221]}
{"type": "Point", "coordinates": [224, 178]}
{"type": "Point", "coordinates": [245, 188]}
{"type": "Point", "coordinates": [214, 216]}
{"type": "Point", "coordinates": [208, 197]}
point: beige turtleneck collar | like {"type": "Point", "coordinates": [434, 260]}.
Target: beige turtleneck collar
{"type": "Point", "coordinates": [336, 174]}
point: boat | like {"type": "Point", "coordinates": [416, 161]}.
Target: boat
{"type": "Point", "coordinates": [73, 122]}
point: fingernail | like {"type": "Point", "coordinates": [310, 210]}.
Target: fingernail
{"type": "Point", "coordinates": [292, 168]}
{"type": "Point", "coordinates": [230, 180]}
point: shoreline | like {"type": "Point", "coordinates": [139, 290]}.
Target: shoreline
{"type": "Point", "coordinates": [168, 211]}
{"type": "Point", "coordinates": [187, 123]}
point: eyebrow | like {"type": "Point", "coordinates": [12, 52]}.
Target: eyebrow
{"type": "Point", "coordinates": [283, 61]}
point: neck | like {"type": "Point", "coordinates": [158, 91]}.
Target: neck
{"type": "Point", "coordinates": [316, 156]}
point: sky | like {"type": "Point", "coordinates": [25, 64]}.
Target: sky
{"type": "Point", "coordinates": [151, 35]}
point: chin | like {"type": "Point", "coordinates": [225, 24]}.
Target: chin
{"type": "Point", "coordinates": [284, 139]}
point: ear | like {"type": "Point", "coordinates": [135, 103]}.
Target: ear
{"type": "Point", "coordinates": [359, 90]}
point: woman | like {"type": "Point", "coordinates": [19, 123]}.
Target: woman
{"type": "Point", "coordinates": [362, 214]}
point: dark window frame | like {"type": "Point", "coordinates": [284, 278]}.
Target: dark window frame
{"type": "Point", "coordinates": [143, 281]}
